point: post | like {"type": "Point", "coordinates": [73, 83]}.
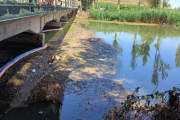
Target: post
{"type": "Point", "coordinates": [65, 3]}
{"type": "Point", "coordinates": [5, 1]}
{"type": "Point", "coordinates": [69, 3]}
{"type": "Point", "coordinates": [55, 4]}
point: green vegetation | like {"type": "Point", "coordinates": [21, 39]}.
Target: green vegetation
{"type": "Point", "coordinates": [149, 36]}
{"type": "Point", "coordinates": [144, 31]}
{"type": "Point", "coordinates": [135, 14]}
{"type": "Point", "coordinates": [66, 28]}
{"type": "Point", "coordinates": [166, 4]}
{"type": "Point", "coordinates": [156, 106]}
{"type": "Point", "coordinates": [86, 4]}
{"type": "Point", "coordinates": [154, 3]}
{"type": "Point", "coordinates": [71, 29]}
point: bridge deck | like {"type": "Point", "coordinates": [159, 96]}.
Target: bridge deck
{"type": "Point", "coordinates": [17, 17]}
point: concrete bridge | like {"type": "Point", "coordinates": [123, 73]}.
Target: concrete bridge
{"type": "Point", "coordinates": [31, 16]}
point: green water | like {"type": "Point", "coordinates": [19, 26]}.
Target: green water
{"type": "Point", "coordinates": [150, 55]}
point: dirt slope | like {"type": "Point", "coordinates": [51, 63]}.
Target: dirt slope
{"type": "Point", "coordinates": [131, 2]}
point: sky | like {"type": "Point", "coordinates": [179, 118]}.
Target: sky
{"type": "Point", "coordinates": [175, 3]}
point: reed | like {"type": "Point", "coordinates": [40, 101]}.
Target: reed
{"type": "Point", "coordinates": [136, 14]}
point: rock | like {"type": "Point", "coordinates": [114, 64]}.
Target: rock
{"type": "Point", "coordinates": [56, 57]}
{"type": "Point", "coordinates": [40, 112]}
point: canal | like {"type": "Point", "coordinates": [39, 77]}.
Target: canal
{"type": "Point", "coordinates": [114, 61]}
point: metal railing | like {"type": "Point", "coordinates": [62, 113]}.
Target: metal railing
{"type": "Point", "coordinates": [13, 9]}
{"type": "Point", "coordinates": [62, 3]}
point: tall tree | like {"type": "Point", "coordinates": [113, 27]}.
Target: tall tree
{"type": "Point", "coordinates": [119, 2]}
{"type": "Point", "coordinates": [154, 3]}
{"type": "Point", "coordinates": [166, 4]}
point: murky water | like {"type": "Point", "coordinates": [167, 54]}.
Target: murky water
{"type": "Point", "coordinates": [38, 111]}
{"type": "Point", "coordinates": [9, 52]}
{"type": "Point", "coordinates": [150, 56]}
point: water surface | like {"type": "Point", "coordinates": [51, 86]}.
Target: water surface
{"type": "Point", "coordinates": [149, 55]}
{"type": "Point", "coordinates": [145, 56]}
{"type": "Point", "coordinates": [38, 111]}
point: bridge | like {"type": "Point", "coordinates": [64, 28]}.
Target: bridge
{"type": "Point", "coordinates": [31, 17]}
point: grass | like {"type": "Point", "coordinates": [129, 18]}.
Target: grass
{"type": "Point", "coordinates": [143, 15]}
{"type": "Point", "coordinates": [66, 28]}
{"type": "Point", "coordinates": [71, 29]}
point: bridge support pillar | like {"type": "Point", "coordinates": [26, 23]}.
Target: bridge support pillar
{"type": "Point", "coordinates": [53, 24]}
{"type": "Point", "coordinates": [41, 39]}
{"type": "Point", "coordinates": [73, 13]}
{"type": "Point", "coordinates": [64, 19]}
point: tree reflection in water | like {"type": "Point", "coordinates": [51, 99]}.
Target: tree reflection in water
{"type": "Point", "coordinates": [177, 59]}
{"type": "Point", "coordinates": [116, 45]}
{"type": "Point", "coordinates": [141, 48]}
{"type": "Point", "coordinates": [159, 67]}
{"type": "Point", "coordinates": [134, 53]}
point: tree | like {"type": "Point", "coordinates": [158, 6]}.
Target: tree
{"type": "Point", "coordinates": [177, 59]}
{"type": "Point", "coordinates": [154, 3]}
{"type": "Point", "coordinates": [141, 2]}
{"type": "Point", "coordinates": [85, 4]}
{"type": "Point", "coordinates": [160, 67]}
{"type": "Point", "coordinates": [93, 4]}
{"type": "Point", "coordinates": [166, 4]}
{"type": "Point", "coordinates": [119, 2]}
{"type": "Point", "coordinates": [116, 45]}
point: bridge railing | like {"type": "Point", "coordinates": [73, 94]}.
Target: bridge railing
{"type": "Point", "coordinates": [62, 3]}
{"type": "Point", "coordinates": [74, 4]}
{"type": "Point", "coordinates": [14, 9]}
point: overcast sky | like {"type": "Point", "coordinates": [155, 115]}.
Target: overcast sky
{"type": "Point", "coordinates": [175, 3]}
